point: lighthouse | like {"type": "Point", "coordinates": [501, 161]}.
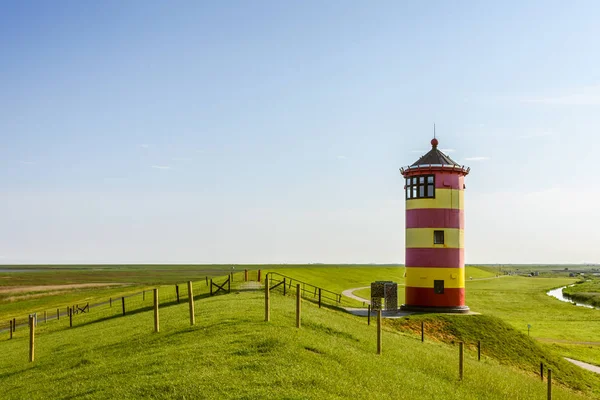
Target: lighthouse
{"type": "Point", "coordinates": [435, 222]}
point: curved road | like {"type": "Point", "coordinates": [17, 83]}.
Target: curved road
{"type": "Point", "coordinates": [349, 293]}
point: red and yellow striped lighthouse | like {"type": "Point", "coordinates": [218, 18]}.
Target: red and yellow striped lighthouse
{"type": "Point", "coordinates": [435, 221]}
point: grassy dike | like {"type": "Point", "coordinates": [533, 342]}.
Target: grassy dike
{"type": "Point", "coordinates": [232, 353]}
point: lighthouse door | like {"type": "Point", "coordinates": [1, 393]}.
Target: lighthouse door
{"type": "Point", "coordinates": [438, 287]}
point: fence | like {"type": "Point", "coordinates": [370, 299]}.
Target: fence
{"type": "Point", "coordinates": [126, 304]}
{"type": "Point", "coordinates": [168, 295]}
{"type": "Point", "coordinates": [323, 297]}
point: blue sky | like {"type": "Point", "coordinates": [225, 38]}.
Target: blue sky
{"type": "Point", "coordinates": [267, 132]}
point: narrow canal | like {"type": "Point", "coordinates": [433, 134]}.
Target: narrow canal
{"type": "Point", "coordinates": [558, 294]}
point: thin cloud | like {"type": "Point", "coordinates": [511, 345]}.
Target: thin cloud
{"type": "Point", "coordinates": [342, 157]}
{"type": "Point", "coordinates": [419, 151]}
{"type": "Point", "coordinates": [163, 167]}
{"type": "Point", "coordinates": [478, 158]}
{"type": "Point", "coordinates": [448, 150]}
{"type": "Point", "coordinates": [145, 146]}
{"type": "Point", "coordinates": [535, 135]}
{"type": "Point", "coordinates": [585, 96]}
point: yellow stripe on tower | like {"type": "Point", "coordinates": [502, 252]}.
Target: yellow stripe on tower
{"type": "Point", "coordinates": [444, 198]}
{"type": "Point", "coordinates": [423, 238]}
{"type": "Point", "coordinates": [454, 278]}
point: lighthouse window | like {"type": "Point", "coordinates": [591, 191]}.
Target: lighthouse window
{"type": "Point", "coordinates": [420, 187]}
{"type": "Point", "coordinates": [438, 237]}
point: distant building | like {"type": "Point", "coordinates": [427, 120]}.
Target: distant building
{"type": "Point", "coordinates": [435, 258]}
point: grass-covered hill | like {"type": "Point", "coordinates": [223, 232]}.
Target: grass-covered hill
{"type": "Point", "coordinates": [232, 353]}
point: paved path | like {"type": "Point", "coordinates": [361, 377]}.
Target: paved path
{"type": "Point", "coordinates": [589, 367]}
{"type": "Point", "coordinates": [363, 312]}
{"type": "Point", "coordinates": [349, 293]}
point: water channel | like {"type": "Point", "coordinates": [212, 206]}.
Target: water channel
{"type": "Point", "coordinates": [558, 294]}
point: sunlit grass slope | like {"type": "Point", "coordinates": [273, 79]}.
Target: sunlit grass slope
{"type": "Point", "coordinates": [521, 301]}
{"type": "Point", "coordinates": [232, 353]}
{"type": "Point", "coordinates": [500, 341]}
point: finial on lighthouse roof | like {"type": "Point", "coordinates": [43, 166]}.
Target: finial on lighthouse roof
{"type": "Point", "coordinates": [434, 141]}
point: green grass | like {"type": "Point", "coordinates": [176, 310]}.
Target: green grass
{"type": "Point", "coordinates": [518, 301]}
{"type": "Point", "coordinates": [521, 301]}
{"type": "Point", "coordinates": [232, 353]}
{"type": "Point", "coordinates": [340, 278]}
{"type": "Point", "coordinates": [138, 274]}
{"type": "Point", "coordinates": [499, 341]}
{"type": "Point", "coordinates": [587, 292]}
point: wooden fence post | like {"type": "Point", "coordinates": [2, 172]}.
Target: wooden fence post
{"type": "Point", "coordinates": [319, 297]}
{"type": "Point", "coordinates": [259, 275]}
{"type": "Point", "coordinates": [211, 293]}
{"type": "Point", "coordinates": [70, 317]}
{"type": "Point", "coordinates": [422, 332]}
{"type": "Point", "coordinates": [549, 384]}
{"type": "Point", "coordinates": [177, 292]}
{"type": "Point", "coordinates": [57, 314]}
{"type": "Point", "coordinates": [110, 301]}
{"type": "Point", "coordinates": [11, 328]}
{"type": "Point", "coordinates": [207, 281]}
{"type": "Point", "coordinates": [191, 301]}
{"type": "Point", "coordinates": [461, 360]}
{"type": "Point", "coordinates": [378, 331]}
{"type": "Point", "coordinates": [45, 317]}
{"type": "Point", "coordinates": [14, 324]}
{"type": "Point", "coordinates": [143, 295]}
{"type": "Point", "coordinates": [156, 325]}
{"type": "Point", "coordinates": [479, 350]}
{"type": "Point", "coordinates": [369, 315]}
{"type": "Point", "coordinates": [31, 338]}
{"type": "Point", "coordinates": [298, 305]}
{"type": "Point", "coordinates": [123, 304]}
{"type": "Point", "coordinates": [246, 275]}
{"type": "Point", "coordinates": [542, 371]}
{"type": "Point", "coordinates": [267, 300]}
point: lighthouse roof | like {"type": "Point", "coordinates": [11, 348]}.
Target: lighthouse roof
{"type": "Point", "coordinates": [434, 160]}
{"type": "Point", "coordinates": [435, 157]}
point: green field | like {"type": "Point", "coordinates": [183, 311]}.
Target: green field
{"type": "Point", "coordinates": [587, 292]}
{"type": "Point", "coordinates": [231, 353]}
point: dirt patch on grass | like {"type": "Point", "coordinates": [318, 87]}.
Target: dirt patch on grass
{"type": "Point", "coordinates": [434, 329]}
{"type": "Point", "coordinates": [46, 288]}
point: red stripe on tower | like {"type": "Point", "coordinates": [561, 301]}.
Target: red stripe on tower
{"type": "Point", "coordinates": [435, 258]}
{"type": "Point", "coordinates": [426, 297]}
{"type": "Point", "coordinates": [435, 218]}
